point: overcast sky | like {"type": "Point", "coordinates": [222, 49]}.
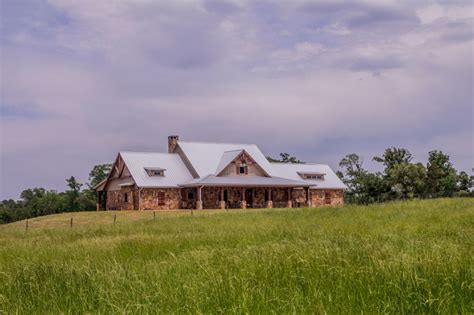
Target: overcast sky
{"type": "Point", "coordinates": [82, 80]}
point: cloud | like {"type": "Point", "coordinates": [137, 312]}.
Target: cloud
{"type": "Point", "coordinates": [317, 79]}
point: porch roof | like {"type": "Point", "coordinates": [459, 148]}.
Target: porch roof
{"type": "Point", "coordinates": [245, 181]}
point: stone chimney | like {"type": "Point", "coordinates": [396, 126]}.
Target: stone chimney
{"type": "Point", "coordinates": [172, 142]}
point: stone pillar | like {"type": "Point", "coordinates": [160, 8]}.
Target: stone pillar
{"type": "Point", "coordinates": [199, 199]}
{"type": "Point", "coordinates": [308, 197]}
{"type": "Point", "coordinates": [243, 202]}
{"type": "Point", "coordinates": [221, 199]}
{"type": "Point", "coordinates": [289, 200]}
{"type": "Point", "coordinates": [269, 201]}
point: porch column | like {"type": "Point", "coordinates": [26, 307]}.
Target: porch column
{"type": "Point", "coordinates": [199, 199]}
{"type": "Point", "coordinates": [243, 202]}
{"type": "Point", "coordinates": [308, 197]}
{"type": "Point", "coordinates": [269, 201]}
{"type": "Point", "coordinates": [221, 199]}
{"type": "Point", "coordinates": [289, 200]}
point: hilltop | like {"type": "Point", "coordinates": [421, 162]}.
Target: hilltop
{"type": "Point", "coordinates": [401, 257]}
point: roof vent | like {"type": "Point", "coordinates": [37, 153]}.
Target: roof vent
{"type": "Point", "coordinates": [312, 175]}
{"type": "Point", "coordinates": [155, 171]}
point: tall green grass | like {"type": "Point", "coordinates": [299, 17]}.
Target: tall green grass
{"type": "Point", "coordinates": [403, 258]}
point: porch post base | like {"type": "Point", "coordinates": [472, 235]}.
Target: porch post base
{"type": "Point", "coordinates": [199, 205]}
{"type": "Point", "coordinates": [221, 204]}
{"type": "Point", "coordinates": [243, 204]}
{"type": "Point", "coordinates": [269, 204]}
{"type": "Point", "coordinates": [289, 204]}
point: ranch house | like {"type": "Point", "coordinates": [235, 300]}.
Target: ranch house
{"type": "Point", "coordinates": [197, 175]}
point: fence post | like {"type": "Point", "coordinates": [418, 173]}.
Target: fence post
{"type": "Point", "coordinates": [27, 224]}
{"type": "Point", "coordinates": [115, 218]}
{"type": "Point", "coordinates": [71, 222]}
{"type": "Point", "coordinates": [192, 212]}
{"type": "Point", "coordinates": [154, 215]}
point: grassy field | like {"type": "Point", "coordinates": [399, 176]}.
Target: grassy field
{"type": "Point", "coordinates": [403, 258]}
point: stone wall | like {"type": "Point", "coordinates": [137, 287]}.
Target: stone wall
{"type": "Point", "coordinates": [326, 197]}
{"type": "Point", "coordinates": [149, 199]}
{"type": "Point", "coordinates": [298, 197]}
{"type": "Point", "coordinates": [176, 198]}
{"type": "Point", "coordinates": [116, 199]}
{"type": "Point", "coordinates": [259, 198]}
{"type": "Point", "coordinates": [210, 197]}
{"type": "Point", "coordinates": [188, 203]}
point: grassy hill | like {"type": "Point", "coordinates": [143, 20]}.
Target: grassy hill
{"type": "Point", "coordinates": [404, 257]}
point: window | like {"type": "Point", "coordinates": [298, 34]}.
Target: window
{"type": "Point", "coordinates": [242, 169]}
{"type": "Point", "coordinates": [312, 176]}
{"type": "Point", "coordinates": [191, 195]}
{"type": "Point", "coordinates": [158, 173]}
{"type": "Point", "coordinates": [125, 197]}
{"type": "Point", "coordinates": [161, 198]}
{"type": "Point", "coordinates": [327, 197]}
{"type": "Point", "coordinates": [155, 171]}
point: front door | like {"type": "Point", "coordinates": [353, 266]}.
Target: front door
{"type": "Point", "coordinates": [249, 197]}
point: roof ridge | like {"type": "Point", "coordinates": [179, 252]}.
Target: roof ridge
{"type": "Point", "coordinates": [143, 152]}
{"type": "Point", "coordinates": [234, 150]}
{"type": "Point", "coordinates": [206, 142]}
{"type": "Point", "coordinates": [305, 163]}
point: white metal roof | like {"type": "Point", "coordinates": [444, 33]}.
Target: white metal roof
{"type": "Point", "coordinates": [290, 171]}
{"type": "Point", "coordinates": [137, 162]}
{"type": "Point", "coordinates": [205, 157]}
{"type": "Point", "coordinates": [209, 159]}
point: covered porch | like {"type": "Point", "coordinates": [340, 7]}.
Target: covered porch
{"type": "Point", "coordinates": [239, 192]}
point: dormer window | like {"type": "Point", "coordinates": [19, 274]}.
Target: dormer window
{"type": "Point", "coordinates": [155, 171]}
{"type": "Point", "coordinates": [312, 176]}
{"type": "Point", "coordinates": [243, 168]}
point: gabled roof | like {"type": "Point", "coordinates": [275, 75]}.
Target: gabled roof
{"type": "Point", "coordinates": [226, 158]}
{"type": "Point", "coordinates": [208, 160]}
{"type": "Point", "coordinates": [137, 163]}
{"type": "Point", "coordinates": [206, 157]}
{"type": "Point", "coordinates": [290, 171]}
{"type": "Point", "coordinates": [242, 181]}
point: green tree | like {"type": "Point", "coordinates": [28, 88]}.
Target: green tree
{"type": "Point", "coordinates": [363, 187]}
{"type": "Point", "coordinates": [352, 164]}
{"type": "Point", "coordinates": [441, 175]}
{"type": "Point", "coordinates": [285, 158]}
{"type": "Point", "coordinates": [392, 157]}
{"type": "Point", "coordinates": [73, 193]}
{"type": "Point", "coordinates": [407, 179]}
{"type": "Point", "coordinates": [30, 195]}
{"type": "Point", "coordinates": [402, 179]}
{"type": "Point", "coordinates": [98, 174]}
{"type": "Point", "coordinates": [464, 181]}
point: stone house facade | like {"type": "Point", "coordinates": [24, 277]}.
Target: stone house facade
{"type": "Point", "coordinates": [196, 175]}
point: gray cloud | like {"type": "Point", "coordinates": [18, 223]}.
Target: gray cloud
{"type": "Point", "coordinates": [291, 76]}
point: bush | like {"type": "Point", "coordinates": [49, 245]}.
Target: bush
{"type": "Point", "coordinates": [463, 194]}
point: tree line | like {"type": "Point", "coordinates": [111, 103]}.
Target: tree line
{"type": "Point", "coordinates": [402, 179]}
{"type": "Point", "coordinates": [39, 201]}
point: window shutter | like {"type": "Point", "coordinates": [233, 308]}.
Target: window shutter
{"type": "Point", "coordinates": [161, 198]}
